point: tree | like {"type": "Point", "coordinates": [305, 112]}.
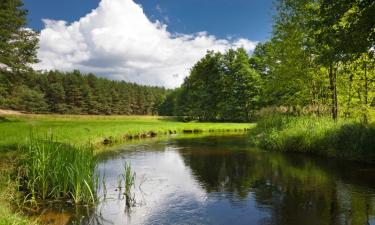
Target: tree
{"type": "Point", "coordinates": [25, 99]}
{"type": "Point", "coordinates": [348, 27]}
{"type": "Point", "coordinates": [240, 87]}
{"type": "Point", "coordinates": [345, 30]}
{"type": "Point", "coordinates": [18, 44]}
{"type": "Point", "coordinates": [220, 87]}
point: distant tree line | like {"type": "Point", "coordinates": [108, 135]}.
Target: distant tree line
{"type": "Point", "coordinates": [75, 93]}
{"type": "Point", "coordinates": [22, 88]}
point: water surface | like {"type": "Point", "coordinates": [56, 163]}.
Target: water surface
{"type": "Point", "coordinates": [223, 180]}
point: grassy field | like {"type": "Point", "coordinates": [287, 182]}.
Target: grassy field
{"type": "Point", "coordinates": [15, 129]}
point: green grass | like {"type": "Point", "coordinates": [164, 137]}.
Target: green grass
{"type": "Point", "coordinates": [346, 139]}
{"type": "Point", "coordinates": [15, 130]}
{"type": "Point", "coordinates": [56, 171]}
{"type": "Point", "coordinates": [9, 194]}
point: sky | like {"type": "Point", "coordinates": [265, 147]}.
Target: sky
{"type": "Point", "coordinates": [152, 42]}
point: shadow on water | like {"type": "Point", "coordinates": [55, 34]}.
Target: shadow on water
{"type": "Point", "coordinates": [222, 180]}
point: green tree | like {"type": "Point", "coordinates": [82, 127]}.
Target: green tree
{"type": "Point", "coordinates": [240, 87]}
{"type": "Point", "coordinates": [18, 44]}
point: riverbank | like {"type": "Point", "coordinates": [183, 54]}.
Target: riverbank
{"type": "Point", "coordinates": [79, 130]}
{"type": "Point", "coordinates": [346, 139]}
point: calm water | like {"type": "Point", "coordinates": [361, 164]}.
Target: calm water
{"type": "Point", "coordinates": [222, 180]}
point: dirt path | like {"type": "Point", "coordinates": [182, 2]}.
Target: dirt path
{"type": "Point", "coordinates": [9, 112]}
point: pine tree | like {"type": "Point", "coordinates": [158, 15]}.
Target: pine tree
{"type": "Point", "coordinates": [18, 44]}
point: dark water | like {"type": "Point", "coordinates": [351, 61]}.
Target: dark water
{"type": "Point", "coordinates": [222, 180]}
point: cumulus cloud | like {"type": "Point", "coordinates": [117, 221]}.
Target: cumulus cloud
{"type": "Point", "coordinates": [118, 41]}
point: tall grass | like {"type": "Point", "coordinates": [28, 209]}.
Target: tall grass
{"type": "Point", "coordinates": [56, 171]}
{"type": "Point", "coordinates": [347, 139]}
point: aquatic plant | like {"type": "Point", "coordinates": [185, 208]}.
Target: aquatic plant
{"type": "Point", "coordinates": [57, 171]}
{"type": "Point", "coordinates": [129, 182]}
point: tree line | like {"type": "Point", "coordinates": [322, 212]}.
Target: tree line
{"type": "Point", "coordinates": [76, 93]}
{"type": "Point", "coordinates": [319, 60]}
{"type": "Point", "coordinates": [23, 89]}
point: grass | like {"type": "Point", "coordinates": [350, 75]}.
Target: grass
{"type": "Point", "coordinates": [15, 129]}
{"type": "Point", "coordinates": [129, 181]}
{"type": "Point", "coordinates": [56, 171]}
{"type": "Point", "coordinates": [346, 139]}
{"type": "Point", "coordinates": [9, 194]}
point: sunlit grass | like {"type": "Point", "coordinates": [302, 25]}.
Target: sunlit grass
{"type": "Point", "coordinates": [82, 129]}
{"type": "Point", "coordinates": [56, 171]}
{"type": "Point", "coordinates": [348, 139]}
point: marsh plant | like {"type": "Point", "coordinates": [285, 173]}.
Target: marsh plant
{"type": "Point", "coordinates": [129, 182]}
{"type": "Point", "coordinates": [349, 139]}
{"type": "Point", "coordinates": [57, 171]}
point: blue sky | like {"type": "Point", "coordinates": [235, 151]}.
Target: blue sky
{"type": "Point", "coordinates": [251, 19]}
{"type": "Point", "coordinates": [121, 40]}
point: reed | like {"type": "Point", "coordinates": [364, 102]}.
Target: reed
{"type": "Point", "coordinates": [56, 171]}
{"type": "Point", "coordinates": [129, 182]}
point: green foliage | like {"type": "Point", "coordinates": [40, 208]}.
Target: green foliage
{"type": "Point", "coordinates": [55, 171]}
{"type": "Point", "coordinates": [319, 55]}
{"type": "Point", "coordinates": [221, 87]}
{"type": "Point", "coordinates": [18, 45]}
{"type": "Point", "coordinates": [346, 27]}
{"type": "Point", "coordinates": [75, 93]}
{"type": "Point", "coordinates": [28, 100]}
{"type": "Point", "coordinates": [344, 139]}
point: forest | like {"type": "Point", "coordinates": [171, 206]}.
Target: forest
{"type": "Point", "coordinates": [76, 93]}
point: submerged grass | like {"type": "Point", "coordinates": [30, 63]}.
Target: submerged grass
{"type": "Point", "coordinates": [56, 171]}
{"type": "Point", "coordinates": [348, 139]}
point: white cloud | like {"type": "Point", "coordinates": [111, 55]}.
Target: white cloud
{"type": "Point", "coordinates": [118, 41]}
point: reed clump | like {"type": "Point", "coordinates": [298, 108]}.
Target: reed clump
{"type": "Point", "coordinates": [55, 171]}
{"type": "Point", "coordinates": [129, 182]}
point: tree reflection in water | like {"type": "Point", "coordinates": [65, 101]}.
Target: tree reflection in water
{"type": "Point", "coordinates": [296, 189]}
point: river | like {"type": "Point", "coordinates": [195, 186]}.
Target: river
{"type": "Point", "coordinates": [223, 180]}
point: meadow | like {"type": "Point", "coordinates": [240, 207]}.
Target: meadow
{"type": "Point", "coordinates": [15, 129]}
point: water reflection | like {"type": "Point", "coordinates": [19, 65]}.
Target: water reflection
{"type": "Point", "coordinates": [224, 181]}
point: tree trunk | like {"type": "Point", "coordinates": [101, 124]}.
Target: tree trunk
{"type": "Point", "coordinates": [332, 82]}
{"type": "Point", "coordinates": [349, 95]}
{"type": "Point", "coordinates": [365, 117]}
